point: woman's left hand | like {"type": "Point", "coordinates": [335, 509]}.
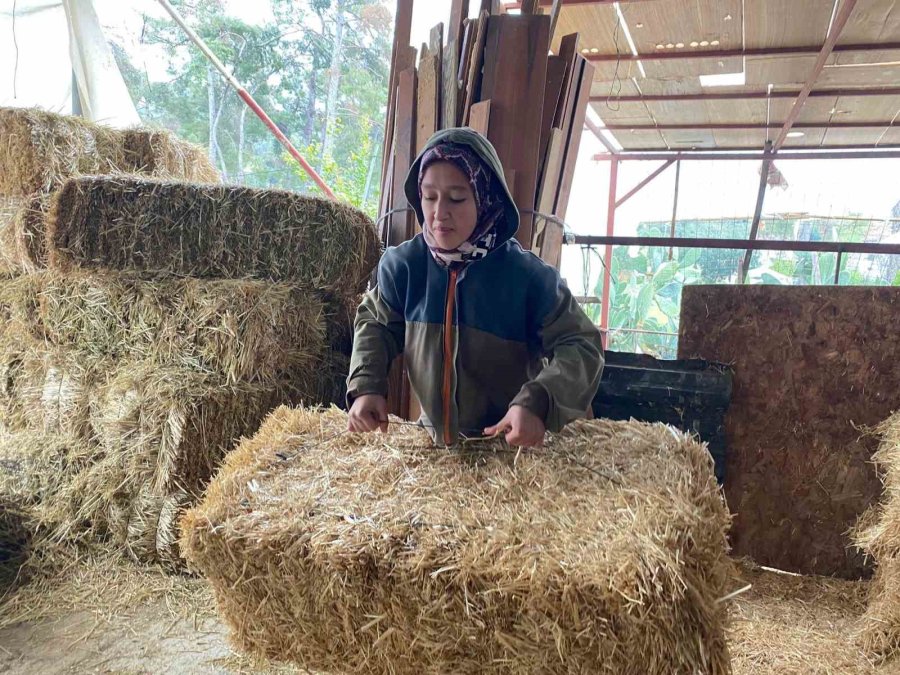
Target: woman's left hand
{"type": "Point", "coordinates": [521, 426]}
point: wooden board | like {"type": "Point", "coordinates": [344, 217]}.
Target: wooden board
{"type": "Point", "coordinates": [480, 117]}
{"type": "Point", "coordinates": [404, 149]}
{"type": "Point", "coordinates": [427, 98]}
{"type": "Point", "coordinates": [449, 86]}
{"type": "Point", "coordinates": [465, 62]}
{"type": "Point", "coordinates": [473, 81]}
{"type": "Point", "coordinates": [514, 78]}
{"type": "Point", "coordinates": [548, 235]}
{"type": "Point", "coordinates": [399, 56]}
{"type": "Point", "coordinates": [576, 127]}
{"type": "Point", "coordinates": [812, 366]}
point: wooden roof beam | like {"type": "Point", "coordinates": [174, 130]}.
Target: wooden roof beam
{"type": "Point", "coordinates": [840, 20]}
{"type": "Point", "coordinates": [661, 55]}
{"type": "Point", "coordinates": [749, 95]}
{"type": "Point", "coordinates": [569, 3]}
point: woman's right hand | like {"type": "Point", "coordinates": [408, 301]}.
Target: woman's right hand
{"type": "Point", "coordinates": [368, 413]}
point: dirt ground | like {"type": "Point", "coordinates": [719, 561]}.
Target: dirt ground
{"type": "Point", "coordinates": [109, 616]}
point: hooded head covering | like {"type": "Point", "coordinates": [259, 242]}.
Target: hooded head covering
{"type": "Point", "coordinates": [475, 157]}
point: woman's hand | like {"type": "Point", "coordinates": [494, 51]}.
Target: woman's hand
{"type": "Point", "coordinates": [368, 413]}
{"type": "Point", "coordinates": [521, 426]}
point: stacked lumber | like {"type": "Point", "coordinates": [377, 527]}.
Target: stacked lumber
{"type": "Point", "coordinates": [493, 74]}
{"type": "Point", "coordinates": [163, 320]}
{"type": "Point", "coordinates": [604, 551]}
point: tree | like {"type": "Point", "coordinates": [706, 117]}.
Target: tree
{"type": "Point", "coordinates": [319, 68]}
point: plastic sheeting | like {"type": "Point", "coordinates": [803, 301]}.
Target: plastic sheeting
{"type": "Point", "coordinates": [43, 43]}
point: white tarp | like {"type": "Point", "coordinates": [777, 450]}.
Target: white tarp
{"type": "Point", "coordinates": [43, 43]}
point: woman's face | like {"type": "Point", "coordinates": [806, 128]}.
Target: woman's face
{"type": "Point", "coordinates": [448, 204]}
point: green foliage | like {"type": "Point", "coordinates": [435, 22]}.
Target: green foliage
{"type": "Point", "coordinates": [285, 63]}
{"type": "Point", "coordinates": [645, 293]}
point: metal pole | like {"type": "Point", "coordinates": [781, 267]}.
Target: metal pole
{"type": "Point", "coordinates": [607, 254]}
{"type": "Point", "coordinates": [675, 202]}
{"type": "Point", "coordinates": [757, 214]}
{"type": "Point", "coordinates": [837, 269]}
{"type": "Point", "coordinates": [247, 98]}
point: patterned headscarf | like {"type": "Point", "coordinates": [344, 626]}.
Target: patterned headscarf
{"type": "Point", "coordinates": [488, 201]}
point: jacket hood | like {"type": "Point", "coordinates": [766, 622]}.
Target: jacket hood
{"type": "Point", "coordinates": [487, 153]}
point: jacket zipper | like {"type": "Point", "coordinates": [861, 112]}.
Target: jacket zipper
{"type": "Point", "coordinates": [448, 353]}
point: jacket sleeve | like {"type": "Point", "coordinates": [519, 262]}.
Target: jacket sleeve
{"type": "Point", "coordinates": [566, 386]}
{"type": "Point", "coordinates": [378, 337]}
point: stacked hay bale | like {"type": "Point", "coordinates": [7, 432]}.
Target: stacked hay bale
{"type": "Point", "coordinates": [160, 321]}
{"type": "Point", "coordinates": [604, 551]}
{"type": "Point", "coordinates": [878, 534]}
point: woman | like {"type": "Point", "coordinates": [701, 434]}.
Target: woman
{"type": "Point", "coordinates": [493, 340]}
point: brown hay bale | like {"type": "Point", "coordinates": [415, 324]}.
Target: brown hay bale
{"type": "Point", "coordinates": [43, 389]}
{"type": "Point", "coordinates": [41, 149]}
{"type": "Point", "coordinates": [159, 153]}
{"type": "Point", "coordinates": [242, 329]}
{"type": "Point", "coordinates": [878, 534]}
{"type": "Point", "coordinates": [185, 229]}
{"type": "Point", "coordinates": [605, 551]}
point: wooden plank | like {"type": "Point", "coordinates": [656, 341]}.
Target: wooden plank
{"type": "Point", "coordinates": [402, 29]}
{"type": "Point", "coordinates": [492, 7]}
{"type": "Point", "coordinates": [480, 116]}
{"type": "Point", "coordinates": [545, 238]}
{"type": "Point", "coordinates": [554, 17]}
{"type": "Point", "coordinates": [404, 143]}
{"type": "Point", "coordinates": [579, 116]}
{"type": "Point", "coordinates": [449, 87]}
{"type": "Point", "coordinates": [473, 83]}
{"type": "Point", "coordinates": [462, 74]}
{"type": "Point", "coordinates": [556, 71]}
{"type": "Point", "coordinates": [515, 72]}
{"type": "Point", "coordinates": [568, 49]}
{"type": "Point", "coordinates": [459, 11]}
{"type": "Point", "coordinates": [427, 98]}
{"type": "Point", "coordinates": [529, 7]}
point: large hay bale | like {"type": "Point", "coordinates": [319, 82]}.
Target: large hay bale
{"type": "Point", "coordinates": [43, 389]}
{"type": "Point", "coordinates": [184, 229]}
{"type": "Point", "coordinates": [41, 149]}
{"type": "Point", "coordinates": [159, 153]}
{"type": "Point", "coordinates": [605, 551]}
{"type": "Point", "coordinates": [878, 534]}
{"type": "Point", "coordinates": [244, 330]}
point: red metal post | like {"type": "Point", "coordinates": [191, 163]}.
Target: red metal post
{"type": "Point", "coordinates": [607, 254]}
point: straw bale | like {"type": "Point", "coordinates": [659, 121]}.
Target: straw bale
{"type": "Point", "coordinates": [159, 153]}
{"type": "Point", "coordinates": [184, 229]}
{"type": "Point", "coordinates": [878, 534]}
{"type": "Point", "coordinates": [812, 364]}
{"type": "Point", "coordinates": [788, 624]}
{"type": "Point", "coordinates": [41, 149]}
{"type": "Point", "coordinates": [603, 552]}
{"type": "Point", "coordinates": [244, 330]}
{"type": "Point", "coordinates": [43, 389]}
